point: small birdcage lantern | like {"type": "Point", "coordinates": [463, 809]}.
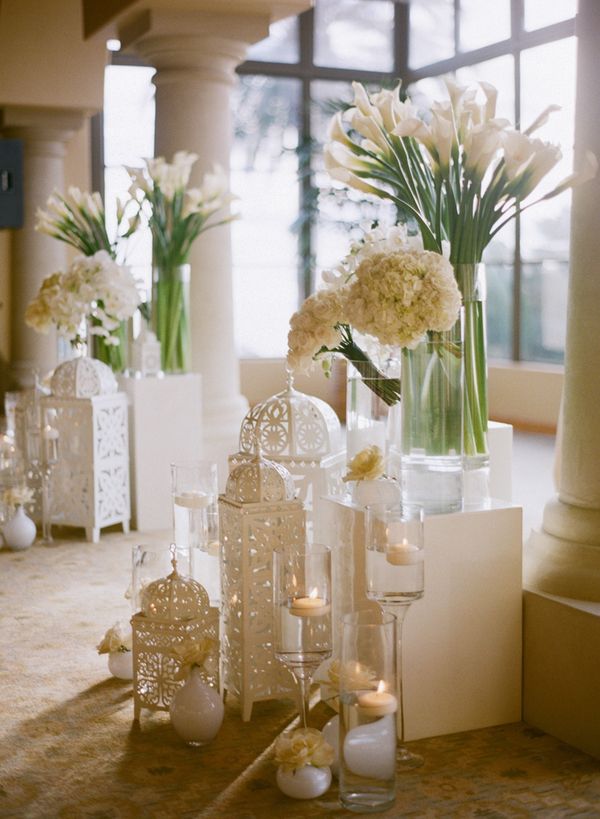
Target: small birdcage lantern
{"type": "Point", "coordinates": [303, 434]}
{"type": "Point", "coordinates": [145, 355]}
{"type": "Point", "coordinates": [175, 611]}
{"type": "Point", "coordinates": [90, 484]}
{"type": "Point", "coordinates": [258, 513]}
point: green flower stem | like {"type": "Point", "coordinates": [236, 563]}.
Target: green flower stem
{"type": "Point", "coordinates": [171, 319]}
{"type": "Point", "coordinates": [388, 389]}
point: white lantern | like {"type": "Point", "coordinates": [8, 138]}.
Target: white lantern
{"type": "Point", "coordinates": [90, 483]}
{"type": "Point", "coordinates": [303, 434]}
{"type": "Point", "coordinates": [145, 353]}
{"type": "Point", "coordinates": [175, 611]}
{"type": "Point", "coordinates": [258, 513]}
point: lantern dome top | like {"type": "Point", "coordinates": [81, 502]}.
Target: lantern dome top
{"type": "Point", "coordinates": [260, 481]}
{"type": "Point", "coordinates": [174, 598]}
{"type": "Point", "coordinates": [291, 424]}
{"type": "Point", "coordinates": [83, 378]}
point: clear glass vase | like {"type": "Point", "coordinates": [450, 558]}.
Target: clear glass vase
{"type": "Point", "coordinates": [372, 408]}
{"type": "Point", "coordinates": [472, 283]}
{"type": "Point", "coordinates": [432, 422]}
{"type": "Point", "coordinates": [171, 316]}
{"type": "Point", "coordinates": [114, 355]}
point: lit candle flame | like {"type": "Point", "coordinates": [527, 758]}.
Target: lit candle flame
{"type": "Point", "coordinates": [380, 687]}
{"type": "Point", "coordinates": [313, 594]}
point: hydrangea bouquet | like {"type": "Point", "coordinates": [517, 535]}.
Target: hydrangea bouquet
{"type": "Point", "coordinates": [79, 219]}
{"type": "Point", "coordinates": [177, 215]}
{"type": "Point", "coordinates": [387, 288]}
{"type": "Point", "coordinates": [461, 174]}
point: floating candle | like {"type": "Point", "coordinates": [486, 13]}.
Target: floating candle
{"type": "Point", "coordinates": [377, 703]}
{"type": "Point", "coordinates": [311, 606]}
{"type": "Point", "coordinates": [193, 500]}
{"type": "Point", "coordinates": [403, 554]}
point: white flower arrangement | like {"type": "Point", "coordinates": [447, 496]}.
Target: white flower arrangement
{"type": "Point", "coordinates": [17, 496]}
{"type": "Point", "coordinates": [195, 654]}
{"type": "Point", "coordinates": [94, 288]}
{"type": "Point", "coordinates": [367, 465]}
{"type": "Point", "coordinates": [387, 288]}
{"type": "Point", "coordinates": [117, 638]}
{"type": "Point", "coordinates": [304, 746]}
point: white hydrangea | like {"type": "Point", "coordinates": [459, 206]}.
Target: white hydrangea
{"type": "Point", "coordinates": [93, 287]}
{"type": "Point", "coordinates": [398, 297]}
{"type": "Point", "coordinates": [315, 326]}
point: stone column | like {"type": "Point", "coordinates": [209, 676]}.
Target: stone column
{"type": "Point", "coordinates": [45, 133]}
{"type": "Point", "coordinates": [564, 558]}
{"type": "Point", "coordinates": [195, 58]}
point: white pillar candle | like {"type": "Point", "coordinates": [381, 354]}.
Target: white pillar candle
{"type": "Point", "coordinates": [193, 500]}
{"type": "Point", "coordinates": [311, 606]}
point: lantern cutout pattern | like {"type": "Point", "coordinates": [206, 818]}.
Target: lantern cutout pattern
{"type": "Point", "coordinates": [90, 484]}
{"type": "Point", "coordinates": [175, 610]}
{"type": "Point", "coordinates": [258, 513]}
{"type": "Point", "coordinates": [303, 434]}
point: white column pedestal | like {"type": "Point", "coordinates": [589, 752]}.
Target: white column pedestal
{"type": "Point", "coordinates": [165, 425]}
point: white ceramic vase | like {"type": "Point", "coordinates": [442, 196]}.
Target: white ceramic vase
{"type": "Point", "coordinates": [19, 532]}
{"type": "Point", "coordinates": [120, 664]}
{"type": "Point", "coordinates": [307, 782]}
{"type": "Point", "coordinates": [196, 710]}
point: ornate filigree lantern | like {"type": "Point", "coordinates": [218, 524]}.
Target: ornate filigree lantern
{"type": "Point", "coordinates": [175, 611]}
{"type": "Point", "coordinates": [303, 434]}
{"type": "Point", "coordinates": [90, 484]}
{"type": "Point", "coordinates": [258, 513]}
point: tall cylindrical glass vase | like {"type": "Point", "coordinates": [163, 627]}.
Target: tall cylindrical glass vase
{"type": "Point", "coordinates": [472, 283]}
{"type": "Point", "coordinates": [432, 422]}
{"type": "Point", "coordinates": [171, 316]}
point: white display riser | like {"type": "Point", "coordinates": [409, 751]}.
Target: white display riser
{"type": "Point", "coordinates": [500, 442]}
{"type": "Point", "coordinates": [165, 425]}
{"type": "Point", "coordinates": [462, 641]}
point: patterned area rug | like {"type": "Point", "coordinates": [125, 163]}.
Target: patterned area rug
{"type": "Point", "coordinates": [69, 748]}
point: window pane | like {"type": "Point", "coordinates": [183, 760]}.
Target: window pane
{"type": "Point", "coordinates": [479, 27]}
{"type": "Point", "coordinates": [539, 13]}
{"type": "Point", "coordinates": [128, 140]}
{"type": "Point", "coordinates": [548, 76]}
{"type": "Point", "coordinates": [128, 114]}
{"type": "Point", "coordinates": [354, 34]}
{"type": "Point", "coordinates": [341, 214]}
{"type": "Point", "coordinates": [281, 46]}
{"type": "Point", "coordinates": [499, 263]}
{"type": "Point", "coordinates": [431, 32]}
{"type": "Point", "coordinates": [500, 73]}
{"type": "Point", "coordinates": [265, 176]}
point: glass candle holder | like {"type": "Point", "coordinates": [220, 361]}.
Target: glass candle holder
{"type": "Point", "coordinates": [195, 494]}
{"type": "Point", "coordinates": [369, 701]}
{"type": "Point", "coordinates": [302, 613]}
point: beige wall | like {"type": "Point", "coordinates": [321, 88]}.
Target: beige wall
{"type": "Point", "coordinates": [44, 60]}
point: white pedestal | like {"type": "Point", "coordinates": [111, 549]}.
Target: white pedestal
{"type": "Point", "coordinates": [165, 425]}
{"type": "Point", "coordinates": [500, 440]}
{"type": "Point", "coordinates": [462, 641]}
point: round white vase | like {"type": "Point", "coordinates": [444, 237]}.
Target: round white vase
{"type": "Point", "coordinates": [307, 782]}
{"type": "Point", "coordinates": [120, 664]}
{"type": "Point", "coordinates": [196, 710]}
{"type": "Point", "coordinates": [19, 532]}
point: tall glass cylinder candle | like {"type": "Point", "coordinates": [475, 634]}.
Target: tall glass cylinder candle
{"type": "Point", "coordinates": [194, 488]}
{"type": "Point", "coordinates": [369, 701]}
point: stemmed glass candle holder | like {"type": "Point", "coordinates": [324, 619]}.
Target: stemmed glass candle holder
{"type": "Point", "coordinates": [302, 613]}
{"type": "Point", "coordinates": [42, 439]}
{"type": "Point", "coordinates": [194, 488]}
{"type": "Point", "coordinates": [368, 705]}
{"type": "Point", "coordinates": [395, 578]}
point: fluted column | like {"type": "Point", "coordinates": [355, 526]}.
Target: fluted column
{"type": "Point", "coordinates": [564, 558]}
{"type": "Point", "coordinates": [195, 73]}
{"type": "Point", "coordinates": [45, 133]}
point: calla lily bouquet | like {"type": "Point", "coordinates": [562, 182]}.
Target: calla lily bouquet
{"type": "Point", "coordinates": [461, 174]}
{"type": "Point", "coordinates": [177, 215]}
{"type": "Point", "coordinates": [78, 218]}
